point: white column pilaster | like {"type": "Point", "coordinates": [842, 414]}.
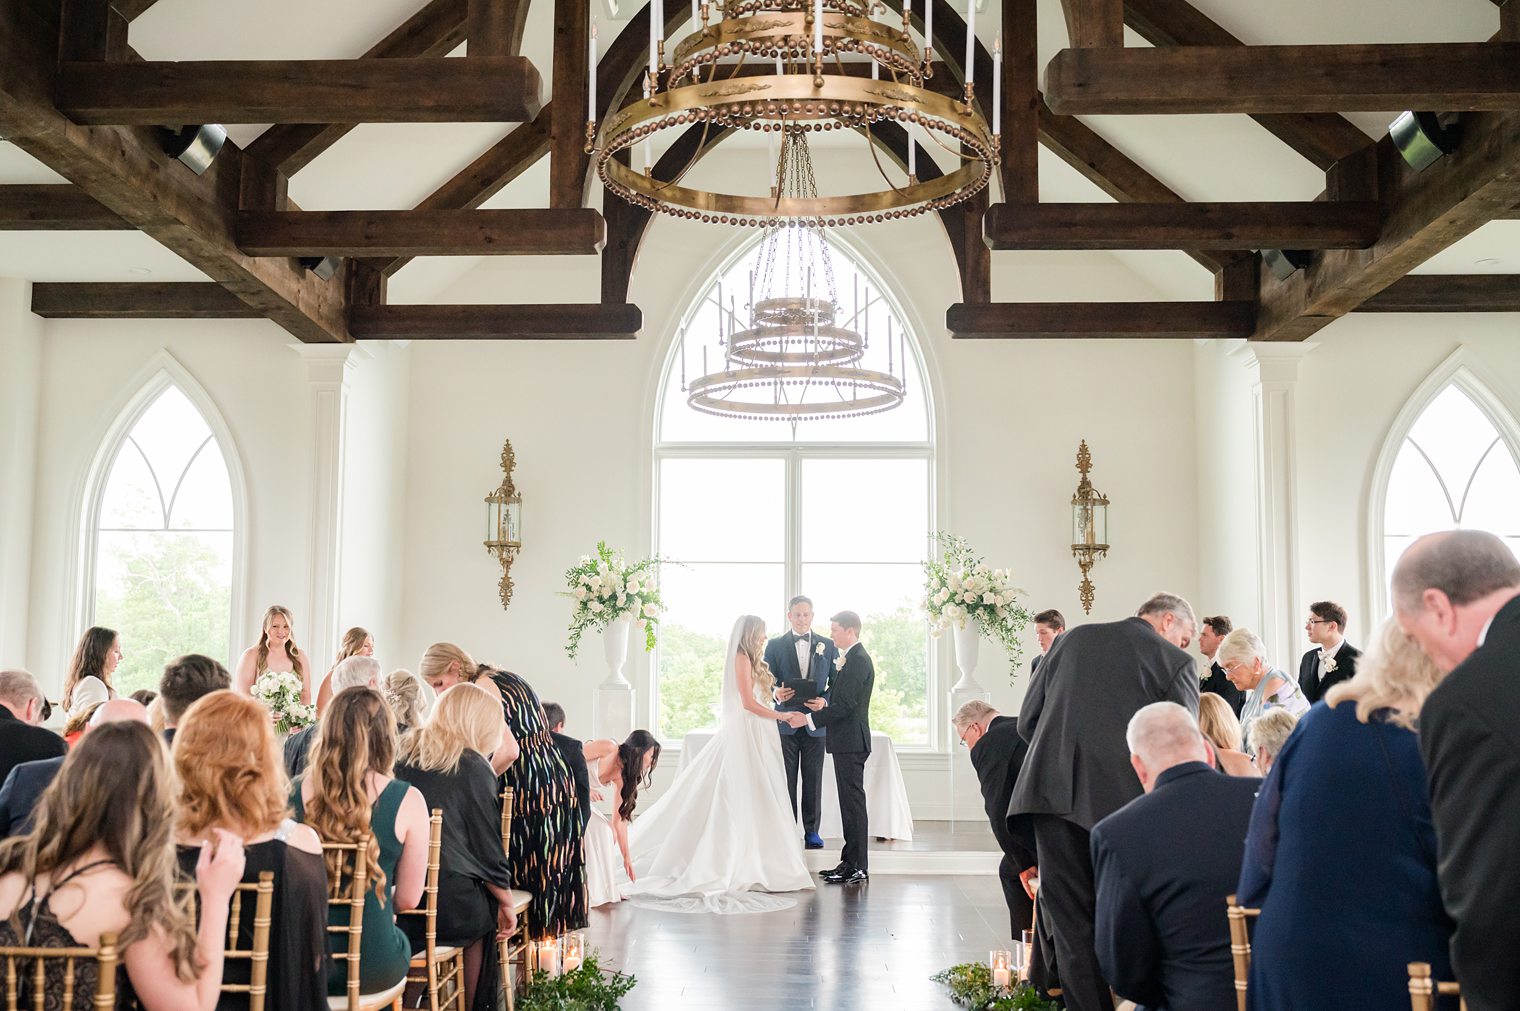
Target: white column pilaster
{"type": "Point", "coordinates": [20, 392]}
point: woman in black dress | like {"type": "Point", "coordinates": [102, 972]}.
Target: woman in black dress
{"type": "Point", "coordinates": [544, 852]}
{"type": "Point", "coordinates": [447, 758]}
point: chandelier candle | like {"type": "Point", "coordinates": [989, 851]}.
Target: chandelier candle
{"type": "Point", "coordinates": [970, 44]}
{"type": "Point", "coordinates": [997, 87]}
{"type": "Point", "coordinates": [818, 30]}
{"type": "Point", "coordinates": [928, 31]}
{"type": "Point", "coordinates": [591, 78]}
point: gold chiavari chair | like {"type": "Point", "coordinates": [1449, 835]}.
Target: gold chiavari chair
{"type": "Point", "coordinates": [440, 967]}
{"type": "Point", "coordinates": [1425, 993]}
{"type": "Point", "coordinates": [347, 891]}
{"type": "Point", "coordinates": [257, 956]}
{"type": "Point", "coordinates": [515, 950]}
{"type": "Point", "coordinates": [1240, 946]}
{"type": "Point", "coordinates": [34, 984]}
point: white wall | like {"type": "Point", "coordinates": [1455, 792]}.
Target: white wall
{"type": "Point", "coordinates": [21, 355]}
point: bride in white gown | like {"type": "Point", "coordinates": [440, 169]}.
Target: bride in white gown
{"type": "Point", "coordinates": [724, 831]}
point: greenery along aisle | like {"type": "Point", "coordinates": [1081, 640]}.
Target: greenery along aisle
{"type": "Point", "coordinates": [971, 987]}
{"type": "Point", "coordinates": [587, 988]}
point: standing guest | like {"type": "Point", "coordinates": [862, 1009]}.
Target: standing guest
{"type": "Point", "coordinates": [1333, 662]}
{"type": "Point", "coordinates": [355, 672]}
{"type": "Point", "coordinates": [448, 759]}
{"type": "Point", "coordinates": [1078, 771]}
{"type": "Point", "coordinates": [349, 795]}
{"type": "Point", "coordinates": [102, 861]}
{"type": "Point", "coordinates": [186, 681]}
{"type": "Point", "coordinates": [277, 651]}
{"type": "Point", "coordinates": [1244, 658]}
{"type": "Point", "coordinates": [403, 693]}
{"type": "Point", "coordinates": [144, 696]}
{"type": "Point", "coordinates": [1210, 634]}
{"type": "Point", "coordinates": [623, 769]}
{"type": "Point", "coordinates": [1163, 865]}
{"type": "Point", "coordinates": [1268, 733]}
{"type": "Point", "coordinates": [356, 642]}
{"type": "Point", "coordinates": [794, 655]}
{"type": "Point", "coordinates": [574, 754]}
{"type": "Point", "coordinates": [845, 707]}
{"type": "Point", "coordinates": [23, 788]}
{"type": "Point", "coordinates": [545, 850]}
{"type": "Point", "coordinates": [997, 755]}
{"type": "Point", "coordinates": [1458, 595]}
{"type": "Point", "coordinates": [89, 679]}
{"type": "Point", "coordinates": [1221, 729]}
{"type": "Point", "coordinates": [21, 739]}
{"type": "Point", "coordinates": [230, 781]}
{"type": "Point", "coordinates": [1047, 626]}
{"type": "Point", "coordinates": [1341, 855]}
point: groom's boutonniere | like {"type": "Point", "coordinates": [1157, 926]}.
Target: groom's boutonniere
{"type": "Point", "coordinates": [839, 662]}
{"type": "Point", "coordinates": [1329, 662]}
{"type": "Point", "coordinates": [818, 649]}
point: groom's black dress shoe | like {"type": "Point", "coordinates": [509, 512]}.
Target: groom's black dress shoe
{"type": "Point", "coordinates": [833, 871]}
{"type": "Point", "coordinates": [849, 876]}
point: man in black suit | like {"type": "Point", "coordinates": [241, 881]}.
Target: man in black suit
{"type": "Point", "coordinates": [24, 784]}
{"type": "Point", "coordinates": [1210, 631]}
{"type": "Point", "coordinates": [1047, 626]}
{"type": "Point", "coordinates": [21, 739]}
{"type": "Point", "coordinates": [185, 681]}
{"type": "Point", "coordinates": [845, 710]}
{"type": "Point", "coordinates": [1458, 595]}
{"type": "Point", "coordinates": [791, 655]}
{"type": "Point", "coordinates": [997, 755]}
{"type": "Point", "coordinates": [1078, 771]}
{"type": "Point", "coordinates": [1334, 659]}
{"type": "Point", "coordinates": [1163, 865]}
{"type": "Point", "coordinates": [574, 755]}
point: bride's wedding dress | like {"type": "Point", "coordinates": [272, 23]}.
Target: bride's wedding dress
{"type": "Point", "coordinates": [724, 832]}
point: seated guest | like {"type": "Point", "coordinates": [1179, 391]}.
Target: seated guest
{"type": "Point", "coordinates": [1267, 736]}
{"type": "Point", "coordinates": [1211, 633]}
{"type": "Point", "coordinates": [403, 693]}
{"type": "Point", "coordinates": [1217, 723]}
{"type": "Point", "coordinates": [79, 722]}
{"type": "Point", "coordinates": [186, 680]}
{"type": "Point", "coordinates": [997, 754]}
{"type": "Point", "coordinates": [1341, 855]}
{"type": "Point", "coordinates": [348, 794]}
{"type": "Point", "coordinates": [355, 672]}
{"type": "Point", "coordinates": [1163, 865]}
{"type": "Point", "coordinates": [21, 737]}
{"type": "Point", "coordinates": [624, 768]}
{"type": "Point", "coordinates": [230, 780]}
{"type": "Point", "coordinates": [1333, 659]}
{"type": "Point", "coordinates": [89, 679]}
{"type": "Point", "coordinates": [571, 751]}
{"type": "Point", "coordinates": [143, 696]}
{"type": "Point", "coordinates": [448, 758]}
{"type": "Point", "coordinates": [102, 861]}
{"type": "Point", "coordinates": [1243, 656]}
{"type": "Point", "coordinates": [23, 787]}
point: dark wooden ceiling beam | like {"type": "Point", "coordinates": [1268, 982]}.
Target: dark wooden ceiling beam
{"type": "Point", "coordinates": [496, 27]}
{"type": "Point", "coordinates": [533, 232]}
{"type": "Point", "coordinates": [27, 208]}
{"type": "Point", "coordinates": [1067, 320]}
{"type": "Point", "coordinates": [1450, 76]}
{"type": "Point", "coordinates": [1283, 225]}
{"type": "Point", "coordinates": [1322, 138]}
{"type": "Point", "coordinates": [131, 9]}
{"type": "Point", "coordinates": [1448, 293]}
{"type": "Point", "coordinates": [578, 321]}
{"type": "Point", "coordinates": [138, 300]}
{"type": "Point", "coordinates": [1019, 169]}
{"type": "Point", "coordinates": [1094, 23]}
{"type": "Point", "coordinates": [569, 161]}
{"type": "Point", "coordinates": [401, 90]}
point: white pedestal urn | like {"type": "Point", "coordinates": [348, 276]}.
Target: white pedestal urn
{"type": "Point", "coordinates": [968, 640]}
{"type": "Point", "coordinates": [612, 711]}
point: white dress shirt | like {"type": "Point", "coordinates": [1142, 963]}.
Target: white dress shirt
{"type": "Point", "coordinates": [1328, 654]}
{"type": "Point", "coordinates": [804, 646]}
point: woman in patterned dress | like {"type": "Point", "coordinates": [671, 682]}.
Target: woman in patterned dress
{"type": "Point", "coordinates": [544, 851]}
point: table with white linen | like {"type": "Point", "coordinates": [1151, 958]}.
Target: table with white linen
{"type": "Point", "coordinates": [886, 793]}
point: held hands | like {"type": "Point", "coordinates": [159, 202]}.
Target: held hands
{"type": "Point", "coordinates": [220, 867]}
{"type": "Point", "coordinates": [784, 694]}
{"type": "Point", "coordinates": [797, 720]}
{"type": "Point", "coordinates": [817, 703]}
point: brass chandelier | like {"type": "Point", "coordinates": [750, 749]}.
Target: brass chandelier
{"type": "Point", "coordinates": [784, 68]}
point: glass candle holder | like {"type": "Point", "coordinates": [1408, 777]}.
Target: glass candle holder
{"type": "Point", "coordinates": [572, 951]}
{"type": "Point", "coordinates": [547, 952]}
{"type": "Point", "coordinates": [1026, 952]}
{"type": "Point", "coordinates": [1001, 963]}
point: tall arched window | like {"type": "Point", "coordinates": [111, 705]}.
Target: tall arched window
{"type": "Point", "coordinates": [840, 510]}
{"type": "Point", "coordinates": [163, 542]}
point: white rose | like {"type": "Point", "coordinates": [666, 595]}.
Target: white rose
{"type": "Point", "coordinates": [633, 586]}
{"type": "Point", "coordinates": [968, 597]}
{"type": "Point", "coordinates": [955, 583]}
{"type": "Point", "coordinates": [650, 611]}
{"type": "Point", "coordinates": [580, 593]}
{"type": "Point", "coordinates": [594, 607]}
{"type": "Point", "coordinates": [989, 598]}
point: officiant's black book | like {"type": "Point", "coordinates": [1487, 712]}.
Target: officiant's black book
{"type": "Point", "coordinates": [805, 688]}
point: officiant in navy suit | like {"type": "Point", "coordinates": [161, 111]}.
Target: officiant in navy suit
{"type": "Point", "coordinates": [801, 653]}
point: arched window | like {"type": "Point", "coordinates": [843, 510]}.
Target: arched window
{"type": "Point", "coordinates": [1454, 468]}
{"type": "Point", "coordinates": [163, 541]}
{"type": "Point", "coordinates": [840, 510]}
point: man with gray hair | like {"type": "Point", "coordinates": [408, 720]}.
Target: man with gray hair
{"type": "Point", "coordinates": [23, 787]}
{"type": "Point", "coordinates": [21, 737]}
{"type": "Point", "coordinates": [355, 672]}
{"type": "Point", "coordinates": [1457, 594]}
{"type": "Point", "coordinates": [1078, 771]}
{"type": "Point", "coordinates": [1163, 864]}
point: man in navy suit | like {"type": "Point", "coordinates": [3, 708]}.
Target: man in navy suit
{"type": "Point", "coordinates": [1163, 865]}
{"type": "Point", "coordinates": [801, 653]}
{"type": "Point", "coordinates": [24, 786]}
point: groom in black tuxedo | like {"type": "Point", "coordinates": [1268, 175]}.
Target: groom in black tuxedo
{"type": "Point", "coordinates": [846, 713]}
{"type": "Point", "coordinates": [794, 654]}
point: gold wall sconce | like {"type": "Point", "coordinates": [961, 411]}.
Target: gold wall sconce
{"type": "Point", "coordinates": [504, 522]}
{"type": "Point", "coordinates": [1089, 525]}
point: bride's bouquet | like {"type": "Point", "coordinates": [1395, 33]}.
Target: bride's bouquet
{"type": "Point", "coordinates": [960, 587]}
{"type": "Point", "coordinates": [606, 588]}
{"type": "Point", "coordinates": [280, 691]}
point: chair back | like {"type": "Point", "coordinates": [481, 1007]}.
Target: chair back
{"type": "Point", "coordinates": [506, 819]}
{"type": "Point", "coordinates": [346, 890]}
{"type": "Point", "coordinates": [429, 910]}
{"type": "Point", "coordinates": [1240, 946]}
{"type": "Point", "coordinates": [1425, 992]}
{"type": "Point", "coordinates": [27, 970]}
{"type": "Point", "coordinates": [257, 956]}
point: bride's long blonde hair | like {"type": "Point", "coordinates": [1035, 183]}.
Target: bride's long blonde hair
{"type": "Point", "coordinates": [752, 645]}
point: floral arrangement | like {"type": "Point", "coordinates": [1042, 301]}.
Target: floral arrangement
{"type": "Point", "coordinates": [971, 986]}
{"type": "Point", "coordinates": [587, 987]}
{"type": "Point", "coordinates": [960, 587]}
{"type": "Point", "coordinates": [606, 588]}
{"type": "Point", "coordinates": [280, 691]}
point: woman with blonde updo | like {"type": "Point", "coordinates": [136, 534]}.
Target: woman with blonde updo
{"type": "Point", "coordinates": [403, 693]}
{"type": "Point", "coordinates": [276, 651]}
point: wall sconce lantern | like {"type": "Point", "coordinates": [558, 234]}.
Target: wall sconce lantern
{"type": "Point", "coordinates": [504, 522]}
{"type": "Point", "coordinates": [1089, 525]}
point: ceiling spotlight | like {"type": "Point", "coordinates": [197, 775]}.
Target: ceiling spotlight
{"type": "Point", "coordinates": [1284, 263]}
{"type": "Point", "coordinates": [1421, 139]}
{"type": "Point", "coordinates": [196, 146]}
{"type": "Point", "coordinates": [323, 266]}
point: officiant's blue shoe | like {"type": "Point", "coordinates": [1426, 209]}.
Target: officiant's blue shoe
{"type": "Point", "coordinates": [812, 841]}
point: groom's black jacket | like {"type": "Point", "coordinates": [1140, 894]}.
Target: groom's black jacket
{"type": "Point", "coordinates": [847, 714]}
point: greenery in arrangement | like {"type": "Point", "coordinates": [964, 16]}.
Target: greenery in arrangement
{"type": "Point", "coordinates": [587, 988]}
{"type": "Point", "coordinates": [960, 587]}
{"type": "Point", "coordinates": [606, 588]}
{"type": "Point", "coordinates": [280, 691]}
{"type": "Point", "coordinates": [971, 987]}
